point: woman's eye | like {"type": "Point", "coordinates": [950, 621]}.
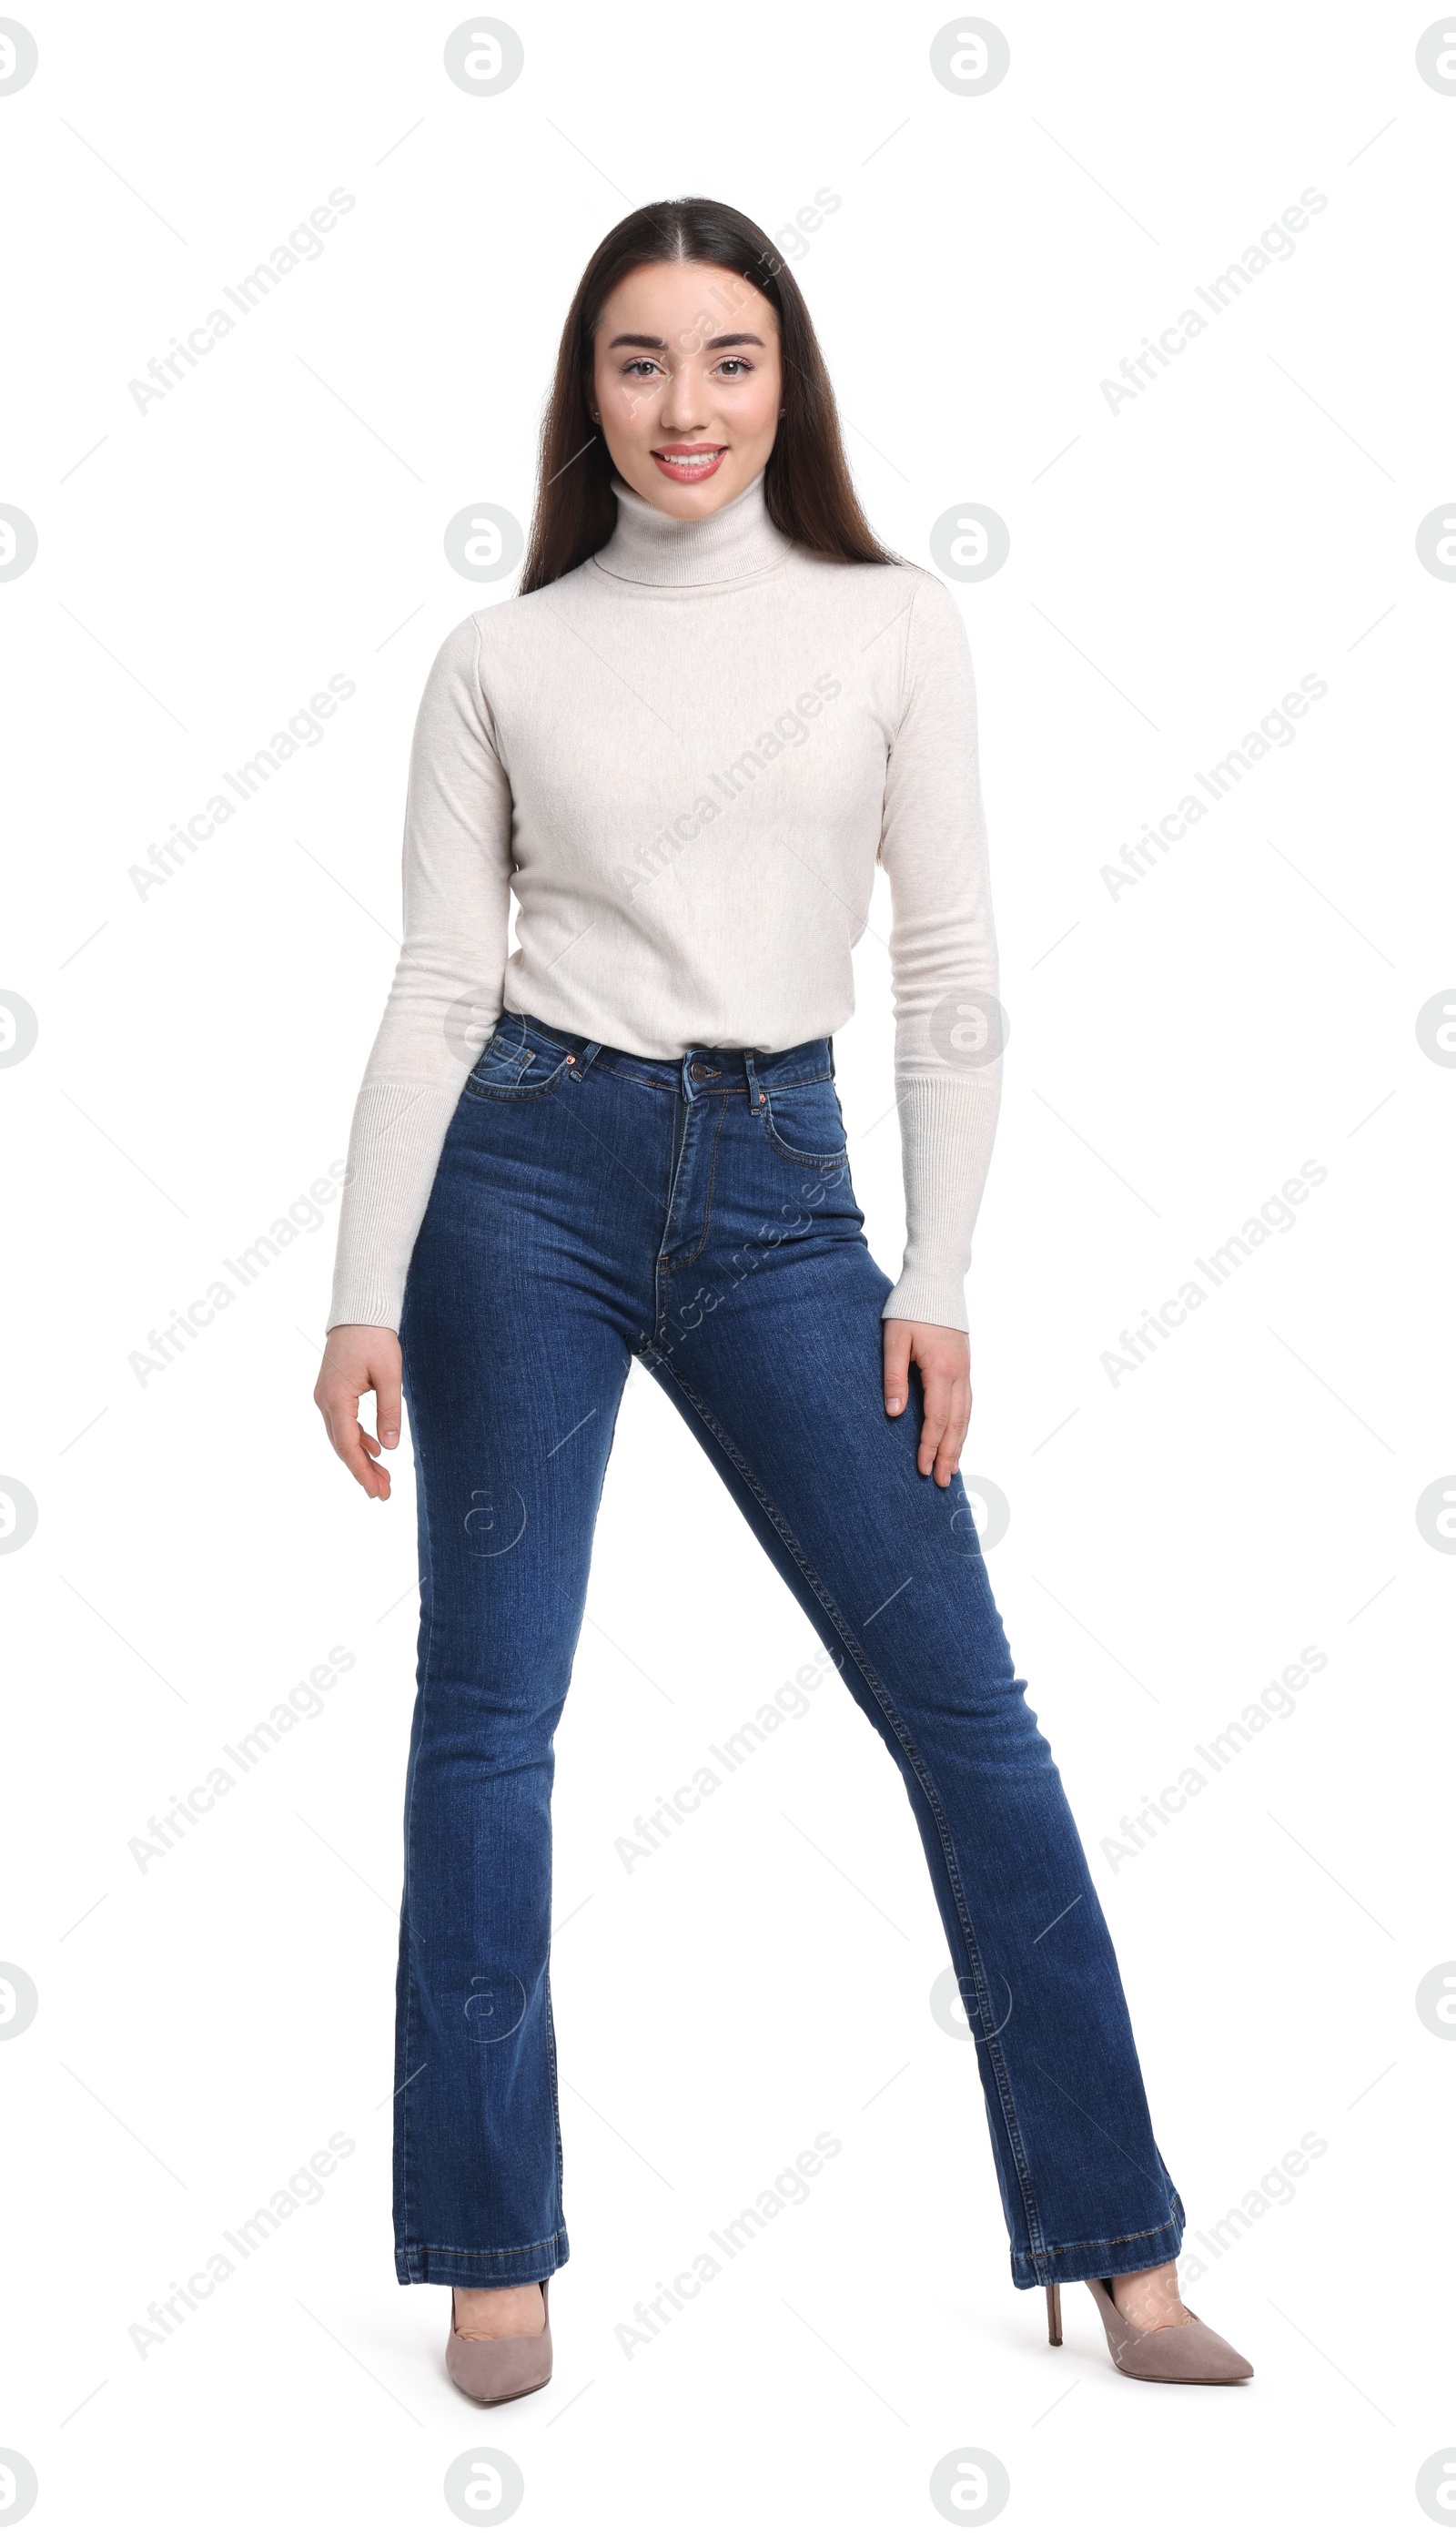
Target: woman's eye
{"type": "Point", "coordinates": [734, 365]}
{"type": "Point", "coordinates": [636, 370]}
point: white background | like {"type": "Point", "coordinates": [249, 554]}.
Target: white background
{"type": "Point", "coordinates": [1176, 1053]}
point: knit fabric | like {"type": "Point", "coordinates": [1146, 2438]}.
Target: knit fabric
{"type": "Point", "coordinates": [684, 760]}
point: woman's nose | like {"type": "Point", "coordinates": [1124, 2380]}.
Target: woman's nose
{"type": "Point", "coordinates": [681, 407]}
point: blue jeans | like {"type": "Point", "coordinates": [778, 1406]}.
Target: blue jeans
{"type": "Point", "coordinates": [590, 1205]}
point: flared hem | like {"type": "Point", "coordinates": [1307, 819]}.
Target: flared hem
{"type": "Point", "coordinates": [482, 2267]}
{"type": "Point", "coordinates": [1101, 2257]}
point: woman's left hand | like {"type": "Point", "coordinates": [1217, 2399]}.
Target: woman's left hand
{"type": "Point", "coordinates": [943, 1356]}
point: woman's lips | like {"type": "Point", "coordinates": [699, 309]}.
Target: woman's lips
{"type": "Point", "coordinates": [688, 463]}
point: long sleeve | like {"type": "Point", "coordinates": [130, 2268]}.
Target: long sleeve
{"type": "Point", "coordinates": [949, 1027]}
{"type": "Point", "coordinates": [446, 991]}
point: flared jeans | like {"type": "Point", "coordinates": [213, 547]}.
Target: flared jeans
{"type": "Point", "coordinates": [590, 1205]}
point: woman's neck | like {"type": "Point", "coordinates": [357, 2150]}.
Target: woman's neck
{"type": "Point", "coordinates": [649, 545]}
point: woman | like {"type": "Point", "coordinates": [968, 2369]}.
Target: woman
{"type": "Point", "coordinates": [717, 703]}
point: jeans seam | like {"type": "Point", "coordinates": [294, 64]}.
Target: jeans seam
{"type": "Point", "coordinates": [550, 1892]}
{"type": "Point", "coordinates": [496, 2254]}
{"type": "Point", "coordinates": [517, 1095]}
{"type": "Point", "coordinates": [660, 1269]}
{"type": "Point", "coordinates": [823, 1161]}
{"type": "Point", "coordinates": [682, 1264]}
{"type": "Point", "coordinates": [555, 2099]}
{"type": "Point", "coordinates": [1136, 2237]}
{"type": "Point", "coordinates": [801, 1159]}
{"type": "Point", "coordinates": [901, 1734]}
{"type": "Point", "coordinates": [405, 2151]}
{"type": "Point", "coordinates": [664, 1087]}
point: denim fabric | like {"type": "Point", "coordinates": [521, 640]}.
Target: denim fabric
{"type": "Point", "coordinates": [590, 1205]}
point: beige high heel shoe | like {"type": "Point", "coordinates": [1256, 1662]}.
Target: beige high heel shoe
{"type": "Point", "coordinates": [1176, 2355]}
{"type": "Point", "coordinates": [494, 2368]}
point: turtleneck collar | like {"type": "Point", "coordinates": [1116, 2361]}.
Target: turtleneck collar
{"type": "Point", "coordinates": [649, 545]}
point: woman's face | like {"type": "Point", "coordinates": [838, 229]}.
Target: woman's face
{"type": "Point", "coordinates": [686, 384]}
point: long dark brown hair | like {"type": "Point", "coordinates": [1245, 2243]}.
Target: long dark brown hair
{"type": "Point", "coordinates": [808, 491]}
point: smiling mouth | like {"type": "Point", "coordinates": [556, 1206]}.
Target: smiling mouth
{"type": "Point", "coordinates": [688, 460]}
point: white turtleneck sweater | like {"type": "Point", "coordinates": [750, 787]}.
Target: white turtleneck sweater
{"type": "Point", "coordinates": [685, 759]}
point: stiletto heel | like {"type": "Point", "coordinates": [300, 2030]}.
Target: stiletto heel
{"type": "Point", "coordinates": [1053, 2313]}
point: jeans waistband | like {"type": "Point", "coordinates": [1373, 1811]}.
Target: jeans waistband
{"type": "Point", "coordinates": [702, 1069]}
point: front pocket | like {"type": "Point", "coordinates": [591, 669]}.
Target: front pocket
{"type": "Point", "coordinates": [511, 1068]}
{"type": "Point", "coordinates": [804, 1124]}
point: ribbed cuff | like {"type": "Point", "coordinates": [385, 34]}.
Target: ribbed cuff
{"type": "Point", "coordinates": [364, 1309]}
{"type": "Point", "coordinates": [928, 1301]}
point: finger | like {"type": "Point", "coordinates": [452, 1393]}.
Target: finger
{"type": "Point", "coordinates": [374, 1477]}
{"type": "Point", "coordinates": [957, 1418]}
{"type": "Point", "coordinates": [938, 1398]}
{"type": "Point", "coordinates": [353, 1444]}
{"type": "Point", "coordinates": [948, 1455]}
{"type": "Point", "coordinates": [947, 1417]}
{"type": "Point", "coordinates": [386, 1407]}
{"type": "Point", "coordinates": [354, 1448]}
{"type": "Point", "coordinates": [897, 1366]}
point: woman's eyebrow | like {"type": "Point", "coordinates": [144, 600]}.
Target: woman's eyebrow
{"type": "Point", "coordinates": [659, 344]}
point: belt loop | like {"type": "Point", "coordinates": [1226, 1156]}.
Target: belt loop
{"type": "Point", "coordinates": [585, 1059]}
{"type": "Point", "coordinates": [755, 1092]}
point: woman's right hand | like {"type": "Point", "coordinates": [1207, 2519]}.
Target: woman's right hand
{"type": "Point", "coordinates": [357, 1359]}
